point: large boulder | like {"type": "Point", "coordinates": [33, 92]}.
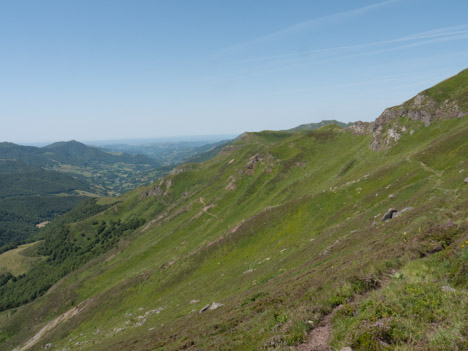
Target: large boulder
{"type": "Point", "coordinates": [389, 214]}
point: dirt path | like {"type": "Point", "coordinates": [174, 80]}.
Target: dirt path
{"type": "Point", "coordinates": [319, 338]}
{"type": "Point", "coordinates": [52, 324]}
{"type": "Point", "coordinates": [206, 208]}
{"type": "Point", "coordinates": [437, 174]}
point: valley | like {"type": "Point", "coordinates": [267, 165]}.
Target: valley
{"type": "Point", "coordinates": [39, 184]}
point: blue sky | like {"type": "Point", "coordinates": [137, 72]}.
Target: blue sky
{"type": "Point", "coordinates": [94, 70]}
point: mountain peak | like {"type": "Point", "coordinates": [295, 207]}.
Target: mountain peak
{"type": "Point", "coordinates": [60, 144]}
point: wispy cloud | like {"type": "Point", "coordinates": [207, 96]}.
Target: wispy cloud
{"type": "Point", "coordinates": [258, 66]}
{"type": "Point", "coordinates": [422, 38]}
{"type": "Point", "coordinates": [309, 25]}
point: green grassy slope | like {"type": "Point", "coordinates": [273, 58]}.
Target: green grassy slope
{"type": "Point", "coordinates": [20, 260]}
{"type": "Point", "coordinates": [452, 89]}
{"type": "Point", "coordinates": [281, 229]}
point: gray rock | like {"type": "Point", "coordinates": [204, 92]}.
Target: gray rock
{"type": "Point", "coordinates": [253, 161]}
{"type": "Point", "coordinates": [391, 213]}
{"type": "Point", "coordinates": [205, 308]}
{"type": "Point", "coordinates": [466, 180]}
{"type": "Point", "coordinates": [406, 209]}
{"type": "Point", "coordinates": [346, 348]}
{"type": "Point", "coordinates": [215, 305]}
{"type": "Point", "coordinates": [211, 307]}
{"type": "Point", "coordinates": [361, 128]}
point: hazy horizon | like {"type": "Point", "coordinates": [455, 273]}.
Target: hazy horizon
{"type": "Point", "coordinates": [113, 70]}
{"type": "Point", "coordinates": [134, 141]}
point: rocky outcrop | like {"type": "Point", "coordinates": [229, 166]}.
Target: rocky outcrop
{"type": "Point", "coordinates": [361, 128]}
{"type": "Point", "coordinates": [387, 130]}
{"type": "Point", "coordinates": [256, 159]}
{"type": "Point", "coordinates": [161, 189]}
{"type": "Point", "coordinates": [152, 192]}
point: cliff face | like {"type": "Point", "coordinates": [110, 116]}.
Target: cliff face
{"type": "Point", "coordinates": [421, 108]}
{"type": "Point", "coordinates": [361, 128]}
{"type": "Point", "coordinates": [448, 99]}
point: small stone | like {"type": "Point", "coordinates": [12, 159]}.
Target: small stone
{"type": "Point", "coordinates": [466, 180]}
{"type": "Point", "coordinates": [391, 196]}
{"type": "Point", "coordinates": [448, 289]}
{"type": "Point", "coordinates": [346, 348]}
{"type": "Point", "coordinates": [194, 301]}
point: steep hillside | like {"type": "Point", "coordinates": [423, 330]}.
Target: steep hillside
{"type": "Point", "coordinates": [282, 241]}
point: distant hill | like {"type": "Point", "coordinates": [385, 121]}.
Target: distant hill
{"type": "Point", "coordinates": [30, 155]}
{"type": "Point", "coordinates": [76, 153]}
{"type": "Point", "coordinates": [107, 173]}
{"type": "Point", "coordinates": [313, 126]}
{"type": "Point", "coordinates": [168, 153]}
{"type": "Point", "coordinates": [207, 152]}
